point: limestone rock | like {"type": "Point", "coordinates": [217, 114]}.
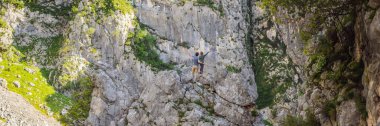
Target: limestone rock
{"type": "Point", "coordinates": [16, 84]}
{"type": "Point", "coordinates": [3, 83]}
{"type": "Point", "coordinates": [32, 84]}
{"type": "Point", "coordinates": [348, 114]}
{"type": "Point", "coordinates": [374, 3]}
{"type": "Point", "coordinates": [28, 115]}
{"type": "Point", "coordinates": [29, 70]}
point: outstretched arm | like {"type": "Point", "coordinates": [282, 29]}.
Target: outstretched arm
{"type": "Point", "coordinates": [206, 54]}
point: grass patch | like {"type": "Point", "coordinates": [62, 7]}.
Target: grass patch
{"type": "Point", "coordinates": [198, 102]}
{"type": "Point", "coordinates": [329, 109]}
{"type": "Point", "coordinates": [90, 31]}
{"type": "Point", "coordinates": [53, 44]}
{"type": "Point", "coordinates": [3, 119]}
{"type": "Point", "coordinates": [19, 4]}
{"type": "Point", "coordinates": [233, 69]}
{"type": "Point", "coordinates": [42, 96]}
{"type": "Point", "coordinates": [205, 119]}
{"type": "Point", "coordinates": [267, 123]}
{"type": "Point", "coordinates": [39, 93]}
{"type": "Point", "coordinates": [3, 24]}
{"type": "Point", "coordinates": [57, 11]}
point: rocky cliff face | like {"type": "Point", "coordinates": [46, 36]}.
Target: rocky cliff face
{"type": "Point", "coordinates": [98, 63]}
{"type": "Point", "coordinates": [321, 94]}
{"type": "Point", "coordinates": [367, 30]}
{"type": "Point", "coordinates": [128, 90]}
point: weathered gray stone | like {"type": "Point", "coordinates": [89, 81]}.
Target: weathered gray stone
{"type": "Point", "coordinates": [31, 71]}
{"type": "Point", "coordinates": [3, 83]}
{"type": "Point", "coordinates": [348, 114]}
{"type": "Point", "coordinates": [28, 115]}
{"type": "Point", "coordinates": [16, 84]}
{"type": "Point", "coordinates": [374, 3]}
{"type": "Point", "coordinates": [32, 84]}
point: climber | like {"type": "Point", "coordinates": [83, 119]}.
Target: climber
{"type": "Point", "coordinates": [194, 69]}
{"type": "Point", "coordinates": [201, 61]}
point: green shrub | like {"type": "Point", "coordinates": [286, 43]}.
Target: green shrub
{"type": "Point", "coordinates": [90, 31]}
{"type": "Point", "coordinates": [144, 48]}
{"type": "Point", "coordinates": [329, 109]}
{"type": "Point", "coordinates": [305, 36]}
{"type": "Point", "coordinates": [267, 123]}
{"type": "Point", "coordinates": [181, 2]}
{"type": "Point", "coordinates": [123, 6]}
{"type": "Point", "coordinates": [108, 7]}
{"type": "Point", "coordinates": [360, 104]}
{"type": "Point", "coordinates": [299, 121]}
{"type": "Point", "coordinates": [81, 98]}
{"type": "Point", "coordinates": [254, 113]}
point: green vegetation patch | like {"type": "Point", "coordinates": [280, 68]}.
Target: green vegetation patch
{"type": "Point", "coordinates": [105, 7]}
{"type": "Point", "coordinates": [329, 109]}
{"type": "Point", "coordinates": [274, 71]}
{"type": "Point", "coordinates": [19, 4]}
{"type": "Point", "coordinates": [32, 86]}
{"type": "Point", "coordinates": [233, 69]}
{"type": "Point", "coordinates": [3, 119]}
{"type": "Point", "coordinates": [81, 97]}
{"type": "Point", "coordinates": [58, 11]}
{"type": "Point", "coordinates": [267, 123]}
{"type": "Point", "coordinates": [211, 4]}
{"type": "Point", "coordinates": [35, 88]}
{"type": "Point", "coordinates": [144, 48]}
{"type": "Point", "coordinates": [3, 24]}
{"type": "Point", "coordinates": [53, 44]}
{"type": "Point", "coordinates": [299, 121]}
{"type": "Point", "coordinates": [360, 104]}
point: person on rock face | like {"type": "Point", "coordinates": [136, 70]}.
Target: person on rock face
{"type": "Point", "coordinates": [194, 69]}
{"type": "Point", "coordinates": [201, 61]}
